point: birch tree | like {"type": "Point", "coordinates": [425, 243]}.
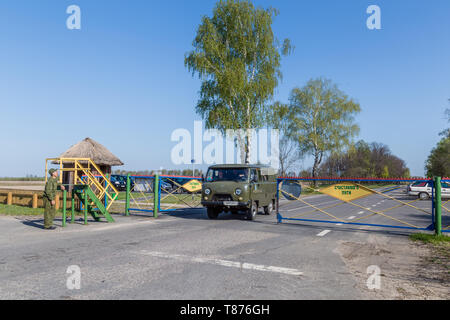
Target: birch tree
{"type": "Point", "coordinates": [323, 119]}
{"type": "Point", "coordinates": [237, 58]}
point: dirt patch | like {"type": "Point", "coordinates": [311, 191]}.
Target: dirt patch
{"type": "Point", "coordinates": [409, 270]}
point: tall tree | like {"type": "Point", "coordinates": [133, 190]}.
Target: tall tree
{"type": "Point", "coordinates": [323, 119]}
{"type": "Point", "coordinates": [438, 162]}
{"type": "Point", "coordinates": [288, 155]}
{"type": "Point", "coordinates": [237, 58]}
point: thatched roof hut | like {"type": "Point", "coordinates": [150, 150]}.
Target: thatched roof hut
{"type": "Point", "coordinates": [89, 148]}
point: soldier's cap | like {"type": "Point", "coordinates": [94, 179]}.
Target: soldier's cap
{"type": "Point", "coordinates": [51, 171]}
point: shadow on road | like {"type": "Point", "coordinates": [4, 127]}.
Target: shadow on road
{"type": "Point", "coordinates": [36, 223]}
{"type": "Point", "coordinates": [200, 214]}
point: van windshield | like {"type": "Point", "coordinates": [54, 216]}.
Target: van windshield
{"type": "Point", "coordinates": [227, 174]}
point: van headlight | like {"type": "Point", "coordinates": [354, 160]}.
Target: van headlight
{"type": "Point", "coordinates": [207, 191]}
{"type": "Point", "coordinates": [238, 192]}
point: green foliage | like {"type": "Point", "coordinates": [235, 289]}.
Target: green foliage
{"type": "Point", "coordinates": [438, 162]}
{"type": "Point", "coordinates": [238, 60]}
{"type": "Point", "coordinates": [321, 119]}
{"type": "Point", "coordinates": [385, 173]}
{"type": "Point", "coordinates": [365, 160]}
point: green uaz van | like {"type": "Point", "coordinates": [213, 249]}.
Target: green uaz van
{"type": "Point", "coordinates": [239, 187]}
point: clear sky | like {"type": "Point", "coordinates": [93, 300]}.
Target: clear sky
{"type": "Point", "coordinates": [121, 79]}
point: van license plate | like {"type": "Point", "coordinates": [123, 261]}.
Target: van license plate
{"type": "Point", "coordinates": [230, 203]}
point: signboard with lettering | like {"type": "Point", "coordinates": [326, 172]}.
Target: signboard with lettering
{"type": "Point", "coordinates": [347, 191]}
{"type": "Point", "coordinates": [193, 185]}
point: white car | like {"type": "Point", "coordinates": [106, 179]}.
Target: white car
{"type": "Point", "coordinates": [423, 189]}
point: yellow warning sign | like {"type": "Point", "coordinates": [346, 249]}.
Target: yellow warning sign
{"type": "Point", "coordinates": [347, 191]}
{"type": "Point", "coordinates": [193, 186]}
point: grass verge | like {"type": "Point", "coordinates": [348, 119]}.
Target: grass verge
{"type": "Point", "coordinates": [430, 238]}
{"type": "Point", "coordinates": [14, 210]}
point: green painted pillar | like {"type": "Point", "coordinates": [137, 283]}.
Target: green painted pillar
{"type": "Point", "coordinates": [438, 206]}
{"type": "Point", "coordinates": [155, 196]}
{"type": "Point", "coordinates": [127, 197]}
{"type": "Point", "coordinates": [72, 220]}
{"type": "Point", "coordinates": [64, 208]}
{"type": "Point", "coordinates": [85, 207]}
{"type": "Point", "coordinates": [105, 184]}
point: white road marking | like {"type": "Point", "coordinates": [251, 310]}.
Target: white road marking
{"type": "Point", "coordinates": [224, 263]}
{"type": "Point", "coordinates": [374, 205]}
{"type": "Point", "coordinates": [361, 212]}
{"type": "Point", "coordinates": [324, 232]}
{"type": "Point", "coordinates": [351, 218]}
{"type": "Point", "coordinates": [339, 224]}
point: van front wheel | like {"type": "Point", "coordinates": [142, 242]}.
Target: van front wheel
{"type": "Point", "coordinates": [212, 213]}
{"type": "Point", "coordinates": [251, 212]}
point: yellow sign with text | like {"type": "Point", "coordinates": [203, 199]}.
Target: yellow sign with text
{"type": "Point", "coordinates": [347, 191]}
{"type": "Point", "coordinates": [193, 186]}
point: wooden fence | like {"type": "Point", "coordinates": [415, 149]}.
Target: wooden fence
{"type": "Point", "coordinates": [28, 198]}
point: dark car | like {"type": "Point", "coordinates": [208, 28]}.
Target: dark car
{"type": "Point", "coordinates": [119, 182]}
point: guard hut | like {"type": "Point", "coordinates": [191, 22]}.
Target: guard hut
{"type": "Point", "coordinates": [89, 148]}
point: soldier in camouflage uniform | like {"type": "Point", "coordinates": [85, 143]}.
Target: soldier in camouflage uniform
{"type": "Point", "coordinates": [49, 199]}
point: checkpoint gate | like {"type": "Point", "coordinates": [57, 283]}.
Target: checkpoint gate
{"type": "Point", "coordinates": [382, 203]}
{"type": "Point", "coordinates": [179, 192]}
{"type": "Point", "coordinates": [445, 209]}
{"type": "Point", "coordinates": [165, 193]}
{"type": "Point", "coordinates": [354, 201]}
{"type": "Point", "coordinates": [140, 194]}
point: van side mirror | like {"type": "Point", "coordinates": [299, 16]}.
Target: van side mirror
{"type": "Point", "coordinates": [203, 178]}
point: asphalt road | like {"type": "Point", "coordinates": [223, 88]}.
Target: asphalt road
{"type": "Point", "coordinates": [392, 207]}
{"type": "Point", "coordinates": [186, 256]}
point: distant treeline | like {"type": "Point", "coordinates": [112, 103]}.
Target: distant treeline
{"type": "Point", "coordinates": [363, 160]}
{"type": "Point", "coordinates": [26, 178]}
{"type": "Point", "coordinates": [169, 172]}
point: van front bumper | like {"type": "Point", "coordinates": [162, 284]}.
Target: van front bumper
{"type": "Point", "coordinates": [230, 204]}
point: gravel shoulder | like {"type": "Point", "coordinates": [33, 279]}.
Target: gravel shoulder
{"type": "Point", "coordinates": [409, 270]}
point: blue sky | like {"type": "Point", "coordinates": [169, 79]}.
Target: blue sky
{"type": "Point", "coordinates": [121, 79]}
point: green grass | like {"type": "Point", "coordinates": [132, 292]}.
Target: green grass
{"type": "Point", "coordinates": [430, 238]}
{"type": "Point", "coordinates": [179, 198]}
{"type": "Point", "coordinates": [14, 210]}
{"type": "Point", "coordinates": [22, 179]}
